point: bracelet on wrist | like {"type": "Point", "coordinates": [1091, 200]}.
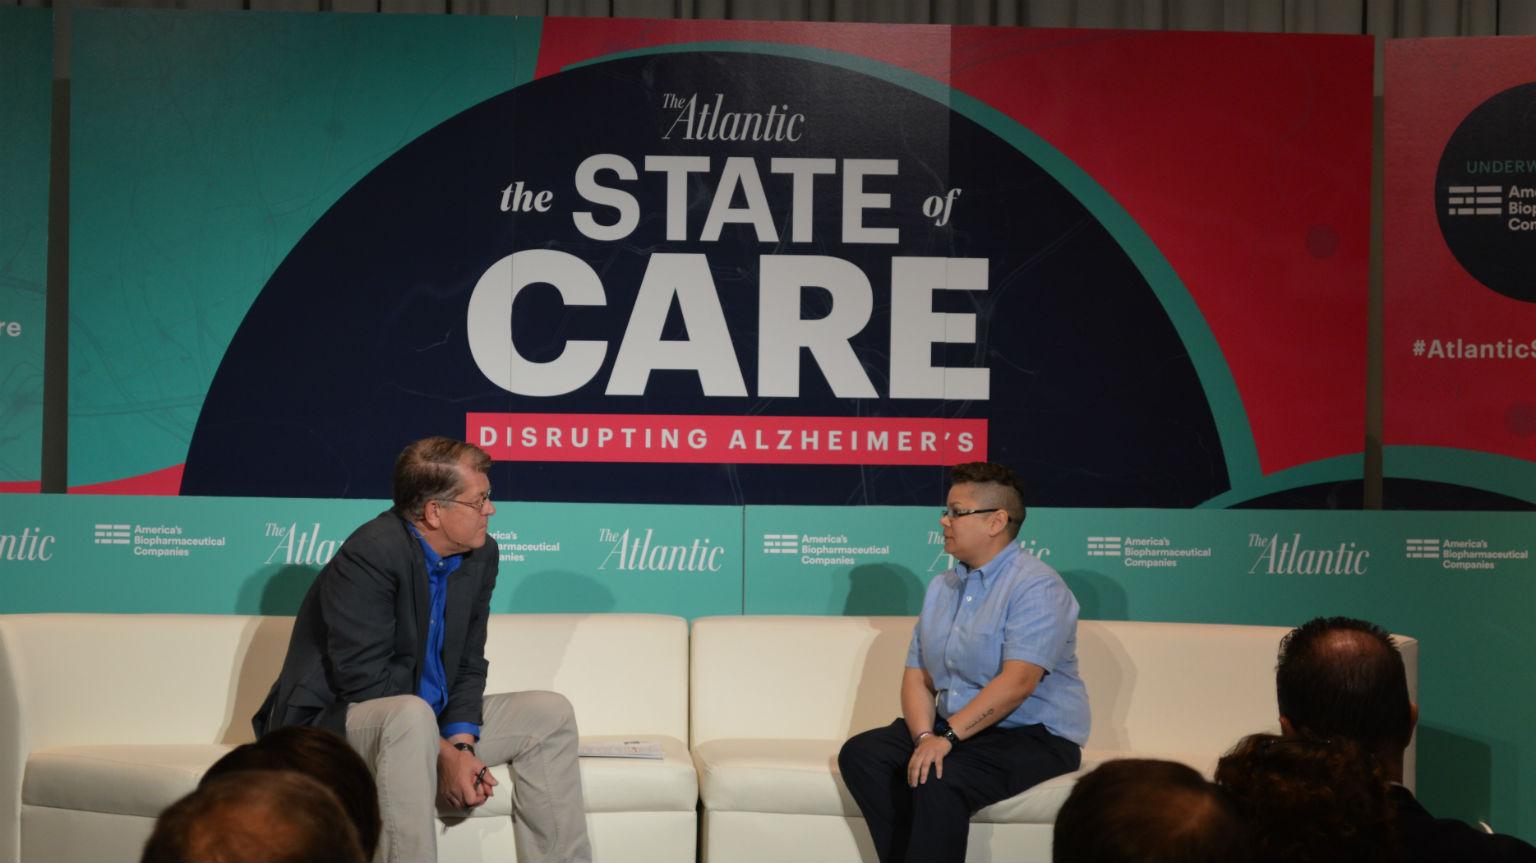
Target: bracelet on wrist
{"type": "Point", "coordinates": [921, 735]}
{"type": "Point", "coordinates": [949, 734]}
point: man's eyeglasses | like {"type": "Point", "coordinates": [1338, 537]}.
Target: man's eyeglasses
{"type": "Point", "coordinates": [477, 503]}
{"type": "Point", "coordinates": [951, 513]}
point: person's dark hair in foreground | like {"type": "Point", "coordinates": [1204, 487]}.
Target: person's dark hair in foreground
{"type": "Point", "coordinates": [1137, 810]}
{"type": "Point", "coordinates": [1310, 800]}
{"type": "Point", "coordinates": [322, 756]}
{"type": "Point", "coordinates": [1343, 678]}
{"type": "Point", "coordinates": [255, 816]}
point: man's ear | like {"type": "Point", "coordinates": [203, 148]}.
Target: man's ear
{"type": "Point", "coordinates": [1413, 716]}
{"type": "Point", "coordinates": [1286, 728]}
{"type": "Point", "coordinates": [431, 515]}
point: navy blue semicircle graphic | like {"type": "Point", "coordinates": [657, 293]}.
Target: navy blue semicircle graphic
{"type": "Point", "coordinates": [358, 343]}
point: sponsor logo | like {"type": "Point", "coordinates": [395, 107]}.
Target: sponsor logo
{"type": "Point", "coordinates": [1486, 194]}
{"type": "Point", "coordinates": [1292, 556]}
{"type": "Point", "coordinates": [301, 546]}
{"type": "Point", "coordinates": [1474, 200]}
{"type": "Point", "coordinates": [1463, 553]}
{"type": "Point", "coordinates": [512, 548]}
{"type": "Point", "coordinates": [1104, 546]}
{"type": "Point", "coordinates": [829, 549]}
{"type": "Point", "coordinates": [114, 534]}
{"type": "Point", "coordinates": [1144, 552]}
{"type": "Point", "coordinates": [637, 551]}
{"type": "Point", "coordinates": [154, 540]}
{"type": "Point", "coordinates": [30, 544]}
{"type": "Point", "coordinates": [781, 543]}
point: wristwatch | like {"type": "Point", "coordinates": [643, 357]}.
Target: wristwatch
{"type": "Point", "coordinates": [465, 747]}
{"type": "Point", "coordinates": [949, 734]}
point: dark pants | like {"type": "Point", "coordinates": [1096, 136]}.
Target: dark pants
{"type": "Point", "coordinates": [929, 823]}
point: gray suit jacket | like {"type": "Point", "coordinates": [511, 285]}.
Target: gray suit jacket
{"type": "Point", "coordinates": [361, 632]}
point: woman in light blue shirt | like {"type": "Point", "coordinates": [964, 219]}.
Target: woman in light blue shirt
{"type": "Point", "coordinates": [991, 699]}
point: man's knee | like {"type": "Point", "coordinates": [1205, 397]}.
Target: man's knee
{"type": "Point", "coordinates": [556, 708]}
{"type": "Point", "coordinates": [406, 716]}
{"type": "Point", "coordinates": [536, 711]}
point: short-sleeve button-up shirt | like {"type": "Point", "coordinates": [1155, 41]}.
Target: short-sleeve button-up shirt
{"type": "Point", "coordinates": [1012, 607]}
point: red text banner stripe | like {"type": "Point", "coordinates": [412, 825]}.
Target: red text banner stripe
{"type": "Point", "coordinates": [683, 438]}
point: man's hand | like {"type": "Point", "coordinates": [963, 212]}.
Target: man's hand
{"type": "Point", "coordinates": [463, 781]}
{"type": "Point", "coordinates": [930, 753]}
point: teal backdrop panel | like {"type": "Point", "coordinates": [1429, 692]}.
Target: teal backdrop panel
{"type": "Point", "coordinates": [840, 560]}
{"type": "Point", "coordinates": [93, 553]}
{"type": "Point", "coordinates": [202, 147]}
{"type": "Point", "coordinates": [96, 553]}
{"type": "Point", "coordinates": [1464, 584]}
{"type": "Point", "coordinates": [572, 557]}
{"type": "Point", "coordinates": [26, 81]}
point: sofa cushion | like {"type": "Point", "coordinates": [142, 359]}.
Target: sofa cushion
{"type": "Point", "coordinates": [116, 779]}
{"type": "Point", "coordinates": [639, 784]}
{"type": "Point", "coordinates": [801, 777]}
{"type": "Point", "coordinates": [143, 780]}
{"type": "Point", "coordinates": [785, 776]}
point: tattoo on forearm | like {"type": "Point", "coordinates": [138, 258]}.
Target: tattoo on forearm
{"type": "Point", "coordinates": [984, 714]}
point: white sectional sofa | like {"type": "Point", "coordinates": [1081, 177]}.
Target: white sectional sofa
{"type": "Point", "coordinates": [773, 698]}
{"type": "Point", "coordinates": [107, 719]}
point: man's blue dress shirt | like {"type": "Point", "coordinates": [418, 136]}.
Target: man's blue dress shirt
{"type": "Point", "coordinates": [434, 680]}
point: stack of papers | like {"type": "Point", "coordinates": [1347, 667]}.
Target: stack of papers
{"type": "Point", "coordinates": [620, 749]}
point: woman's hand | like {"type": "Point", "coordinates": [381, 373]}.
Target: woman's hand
{"type": "Point", "coordinates": [930, 753]}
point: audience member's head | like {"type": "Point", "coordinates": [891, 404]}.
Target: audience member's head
{"type": "Point", "coordinates": [1310, 800]}
{"type": "Point", "coordinates": [1341, 677]}
{"type": "Point", "coordinates": [320, 755]}
{"type": "Point", "coordinates": [1144, 811]}
{"type": "Point", "coordinates": [255, 816]}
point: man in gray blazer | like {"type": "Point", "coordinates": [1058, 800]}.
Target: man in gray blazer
{"type": "Point", "coordinates": [389, 650]}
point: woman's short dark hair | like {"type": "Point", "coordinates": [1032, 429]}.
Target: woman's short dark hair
{"type": "Point", "coordinates": [429, 470]}
{"type": "Point", "coordinates": [1007, 484]}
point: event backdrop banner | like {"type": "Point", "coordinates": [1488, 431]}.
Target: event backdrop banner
{"type": "Point", "coordinates": [716, 262]}
{"type": "Point", "coordinates": [1459, 311]}
{"type": "Point", "coordinates": [26, 82]}
{"type": "Point", "coordinates": [1462, 583]}
{"type": "Point", "coordinates": [126, 554]}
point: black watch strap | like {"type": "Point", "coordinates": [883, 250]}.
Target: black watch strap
{"type": "Point", "coordinates": [949, 734]}
{"type": "Point", "coordinates": [465, 747]}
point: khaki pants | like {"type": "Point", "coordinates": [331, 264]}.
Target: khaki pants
{"type": "Point", "coordinates": [534, 733]}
